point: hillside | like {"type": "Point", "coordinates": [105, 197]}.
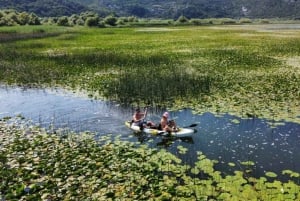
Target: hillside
{"type": "Point", "coordinates": [44, 8]}
{"type": "Point", "coordinates": [162, 8]}
{"type": "Point", "coordinates": [200, 8]}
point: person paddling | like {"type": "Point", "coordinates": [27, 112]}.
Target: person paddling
{"type": "Point", "coordinates": [138, 119]}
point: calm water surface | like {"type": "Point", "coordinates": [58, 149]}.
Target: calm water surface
{"type": "Point", "coordinates": [218, 137]}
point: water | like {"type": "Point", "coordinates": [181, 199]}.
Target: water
{"type": "Point", "coordinates": [219, 137]}
{"type": "Point", "coordinates": [59, 109]}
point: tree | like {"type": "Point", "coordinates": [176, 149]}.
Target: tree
{"type": "Point", "coordinates": [33, 20]}
{"type": "Point", "coordinates": [182, 19]}
{"type": "Point", "coordinates": [92, 21]}
{"type": "Point", "coordinates": [73, 19]}
{"type": "Point", "coordinates": [23, 18]}
{"type": "Point", "coordinates": [63, 21]}
{"type": "Point", "coordinates": [110, 20]}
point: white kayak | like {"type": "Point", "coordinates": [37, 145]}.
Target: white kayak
{"type": "Point", "coordinates": [182, 132]}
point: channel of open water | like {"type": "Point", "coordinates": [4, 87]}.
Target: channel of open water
{"type": "Point", "coordinates": [222, 138]}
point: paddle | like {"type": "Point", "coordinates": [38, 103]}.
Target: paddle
{"type": "Point", "coordinates": [145, 113]}
{"type": "Point", "coordinates": [165, 132]}
{"type": "Point", "coordinates": [192, 125]}
{"type": "Point", "coordinates": [143, 119]}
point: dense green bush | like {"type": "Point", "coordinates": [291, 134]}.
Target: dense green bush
{"type": "Point", "coordinates": [110, 20]}
{"type": "Point", "coordinates": [63, 21]}
{"type": "Point", "coordinates": [182, 19]}
{"type": "Point", "coordinates": [12, 17]}
{"type": "Point", "coordinates": [92, 21]}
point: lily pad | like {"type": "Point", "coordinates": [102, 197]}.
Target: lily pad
{"type": "Point", "coordinates": [271, 174]}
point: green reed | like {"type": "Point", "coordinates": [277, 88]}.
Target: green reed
{"type": "Point", "coordinates": [158, 84]}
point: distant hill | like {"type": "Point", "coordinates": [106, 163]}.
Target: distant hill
{"type": "Point", "coordinates": [199, 8]}
{"type": "Point", "coordinates": [45, 8]}
{"type": "Point", "coordinates": [162, 8]}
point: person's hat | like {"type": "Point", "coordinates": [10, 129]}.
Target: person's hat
{"type": "Point", "coordinates": [166, 114]}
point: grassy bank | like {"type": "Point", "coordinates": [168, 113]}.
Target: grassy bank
{"type": "Point", "coordinates": [248, 70]}
{"type": "Point", "coordinates": [36, 165]}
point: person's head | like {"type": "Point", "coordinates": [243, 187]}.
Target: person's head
{"type": "Point", "coordinates": [137, 110]}
{"type": "Point", "coordinates": [166, 115]}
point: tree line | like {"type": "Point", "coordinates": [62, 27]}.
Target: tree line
{"type": "Point", "coordinates": [12, 17]}
{"type": "Point", "coordinates": [92, 19]}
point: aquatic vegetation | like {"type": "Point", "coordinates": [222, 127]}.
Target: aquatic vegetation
{"type": "Point", "coordinates": [271, 174]}
{"type": "Point", "coordinates": [36, 165]}
{"type": "Point", "coordinates": [181, 149]}
{"type": "Point", "coordinates": [241, 70]}
{"type": "Point", "coordinates": [247, 71]}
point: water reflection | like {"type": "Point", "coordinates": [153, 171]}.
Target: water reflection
{"type": "Point", "coordinates": [227, 138]}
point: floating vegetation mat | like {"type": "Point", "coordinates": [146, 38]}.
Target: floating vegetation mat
{"type": "Point", "coordinates": [248, 71]}
{"type": "Point", "coordinates": [36, 165]}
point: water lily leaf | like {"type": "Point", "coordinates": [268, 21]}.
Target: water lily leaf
{"type": "Point", "coordinates": [287, 172]}
{"type": "Point", "coordinates": [182, 150]}
{"type": "Point", "coordinates": [295, 174]}
{"type": "Point", "coordinates": [248, 163]}
{"type": "Point", "coordinates": [195, 171]}
{"type": "Point", "coordinates": [225, 196]}
{"type": "Point", "coordinates": [271, 174]}
{"type": "Point", "coordinates": [235, 121]}
{"type": "Point", "coordinates": [291, 173]}
{"type": "Point", "coordinates": [200, 157]}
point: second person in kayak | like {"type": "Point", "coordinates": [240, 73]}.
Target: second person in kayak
{"type": "Point", "coordinates": [166, 125]}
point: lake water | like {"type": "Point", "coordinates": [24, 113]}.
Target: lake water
{"type": "Point", "coordinates": [219, 137]}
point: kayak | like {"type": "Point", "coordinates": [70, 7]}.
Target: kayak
{"type": "Point", "coordinates": [182, 132]}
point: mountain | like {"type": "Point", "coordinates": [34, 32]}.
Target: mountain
{"type": "Point", "coordinates": [162, 8]}
{"type": "Point", "coordinates": [45, 8]}
{"type": "Point", "coordinates": [270, 8]}
{"type": "Point", "coordinates": [199, 8]}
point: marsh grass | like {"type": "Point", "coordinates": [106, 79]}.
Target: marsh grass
{"type": "Point", "coordinates": [158, 84]}
{"type": "Point", "coordinates": [242, 70]}
{"type": "Point", "coordinates": [9, 34]}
